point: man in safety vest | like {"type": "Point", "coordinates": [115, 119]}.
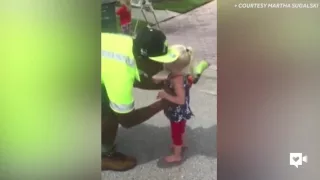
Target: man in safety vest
{"type": "Point", "coordinates": [127, 63]}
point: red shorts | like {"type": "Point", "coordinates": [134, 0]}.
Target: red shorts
{"type": "Point", "coordinates": [177, 131]}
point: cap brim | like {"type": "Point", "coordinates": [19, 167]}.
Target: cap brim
{"type": "Point", "coordinates": [171, 56]}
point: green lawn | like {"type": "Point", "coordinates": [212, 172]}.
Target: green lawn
{"type": "Point", "coordinates": [179, 6]}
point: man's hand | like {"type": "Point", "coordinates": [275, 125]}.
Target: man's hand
{"type": "Point", "coordinates": [161, 104]}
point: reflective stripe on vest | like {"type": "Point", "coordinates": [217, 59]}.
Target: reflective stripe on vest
{"type": "Point", "coordinates": [119, 57]}
{"type": "Point", "coordinates": [122, 108]}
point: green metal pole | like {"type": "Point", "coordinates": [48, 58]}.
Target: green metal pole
{"type": "Point", "coordinates": [108, 16]}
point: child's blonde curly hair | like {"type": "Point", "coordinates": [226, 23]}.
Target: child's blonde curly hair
{"type": "Point", "coordinates": [184, 64]}
{"type": "Point", "coordinates": [127, 3]}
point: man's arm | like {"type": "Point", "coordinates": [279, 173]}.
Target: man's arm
{"type": "Point", "coordinates": [129, 118]}
{"type": "Point", "coordinates": [147, 84]}
{"type": "Point", "coordinates": [138, 116]}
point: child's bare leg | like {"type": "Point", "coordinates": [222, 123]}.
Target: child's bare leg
{"type": "Point", "coordinates": [176, 155]}
{"type": "Point", "coordinates": [176, 133]}
{"type": "Point", "coordinates": [172, 146]}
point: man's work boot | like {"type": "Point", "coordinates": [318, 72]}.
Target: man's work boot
{"type": "Point", "coordinates": [117, 161]}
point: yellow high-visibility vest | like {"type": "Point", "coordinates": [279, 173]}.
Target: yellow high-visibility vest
{"type": "Point", "coordinates": [118, 71]}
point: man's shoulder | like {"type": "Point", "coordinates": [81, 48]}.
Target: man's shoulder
{"type": "Point", "coordinates": [116, 43]}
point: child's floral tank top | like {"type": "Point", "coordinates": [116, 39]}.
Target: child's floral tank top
{"type": "Point", "coordinates": [177, 113]}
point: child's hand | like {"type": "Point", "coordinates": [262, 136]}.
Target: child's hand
{"type": "Point", "coordinates": [161, 95]}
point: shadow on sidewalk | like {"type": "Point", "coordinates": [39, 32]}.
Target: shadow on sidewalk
{"type": "Point", "coordinates": [147, 142]}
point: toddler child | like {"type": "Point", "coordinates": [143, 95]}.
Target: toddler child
{"type": "Point", "coordinates": [178, 77]}
{"type": "Point", "coordinates": [124, 13]}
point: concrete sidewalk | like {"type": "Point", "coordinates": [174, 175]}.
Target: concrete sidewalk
{"type": "Point", "coordinates": [150, 141]}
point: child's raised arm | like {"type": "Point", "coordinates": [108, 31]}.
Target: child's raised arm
{"type": "Point", "coordinates": [178, 86]}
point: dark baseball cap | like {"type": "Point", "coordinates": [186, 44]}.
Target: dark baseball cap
{"type": "Point", "coordinates": [153, 44]}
